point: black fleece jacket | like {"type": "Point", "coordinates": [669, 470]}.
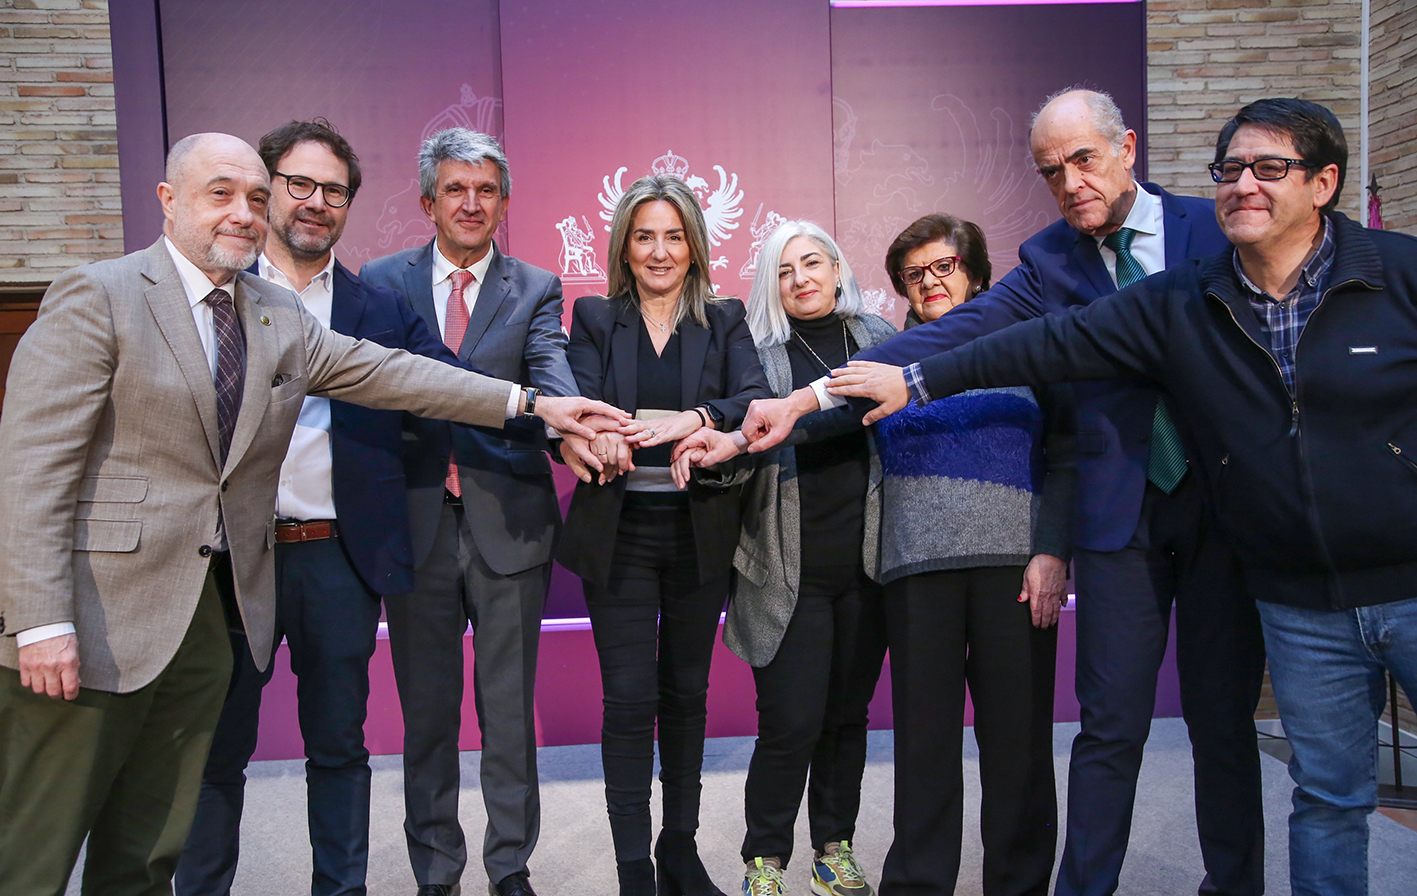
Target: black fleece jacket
{"type": "Point", "coordinates": [1317, 492]}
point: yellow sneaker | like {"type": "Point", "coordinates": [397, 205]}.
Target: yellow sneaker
{"type": "Point", "coordinates": [836, 873]}
{"type": "Point", "coordinates": [764, 878]}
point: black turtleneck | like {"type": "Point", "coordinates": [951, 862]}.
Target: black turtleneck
{"type": "Point", "coordinates": [832, 474]}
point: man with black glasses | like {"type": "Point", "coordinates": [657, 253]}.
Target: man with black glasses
{"type": "Point", "coordinates": [1290, 359]}
{"type": "Point", "coordinates": [342, 539]}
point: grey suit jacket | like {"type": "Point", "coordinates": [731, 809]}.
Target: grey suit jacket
{"type": "Point", "coordinates": [110, 486]}
{"type": "Point", "coordinates": [514, 331]}
{"type": "Point", "coordinates": [768, 561]}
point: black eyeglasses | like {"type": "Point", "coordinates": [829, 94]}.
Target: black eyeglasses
{"type": "Point", "coordinates": [1229, 171]}
{"type": "Point", "coordinates": [299, 187]}
{"type": "Point", "coordinates": [940, 267]}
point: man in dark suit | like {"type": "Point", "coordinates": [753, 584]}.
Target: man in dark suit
{"type": "Point", "coordinates": [1146, 537]}
{"type": "Point", "coordinates": [483, 516]}
{"type": "Point", "coordinates": [342, 538]}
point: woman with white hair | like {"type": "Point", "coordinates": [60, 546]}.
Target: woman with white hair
{"type": "Point", "coordinates": [804, 611]}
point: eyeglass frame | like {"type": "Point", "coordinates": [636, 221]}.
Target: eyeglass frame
{"type": "Point", "coordinates": [1215, 175]}
{"type": "Point", "coordinates": [322, 187]}
{"type": "Point", "coordinates": [954, 261]}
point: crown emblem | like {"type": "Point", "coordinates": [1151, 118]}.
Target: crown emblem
{"type": "Point", "coordinates": [669, 163]}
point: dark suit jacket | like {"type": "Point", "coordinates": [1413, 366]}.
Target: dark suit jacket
{"type": "Point", "coordinates": [367, 444]}
{"type": "Point", "coordinates": [515, 330]}
{"type": "Point", "coordinates": [1060, 268]}
{"type": "Point", "coordinates": [720, 368]}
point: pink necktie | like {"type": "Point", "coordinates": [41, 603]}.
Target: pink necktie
{"type": "Point", "coordinates": [454, 328]}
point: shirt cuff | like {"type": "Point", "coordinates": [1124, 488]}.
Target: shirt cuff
{"type": "Point", "coordinates": [915, 382]}
{"type": "Point", "coordinates": [825, 400]}
{"type": "Point", "coordinates": [514, 399]}
{"type": "Point", "coordinates": [43, 633]}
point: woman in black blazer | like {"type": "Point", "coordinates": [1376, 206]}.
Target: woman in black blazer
{"type": "Point", "coordinates": [655, 559]}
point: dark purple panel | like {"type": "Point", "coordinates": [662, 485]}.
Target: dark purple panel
{"type": "Point", "coordinates": [137, 96]}
{"type": "Point", "coordinates": [385, 74]}
{"type": "Point", "coordinates": [734, 94]}
{"type": "Point", "coordinates": [932, 106]}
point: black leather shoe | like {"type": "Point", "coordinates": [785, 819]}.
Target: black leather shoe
{"type": "Point", "coordinates": [678, 869]}
{"type": "Point", "coordinates": [439, 890]}
{"type": "Point", "coordinates": [514, 885]}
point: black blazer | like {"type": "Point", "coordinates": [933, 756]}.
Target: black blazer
{"type": "Point", "coordinates": [720, 369]}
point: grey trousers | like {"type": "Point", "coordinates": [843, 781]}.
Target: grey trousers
{"type": "Point", "coordinates": [455, 587]}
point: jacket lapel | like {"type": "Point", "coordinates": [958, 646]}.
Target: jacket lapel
{"type": "Point", "coordinates": [349, 303]}
{"type": "Point", "coordinates": [418, 287]}
{"type": "Point", "coordinates": [624, 355]}
{"type": "Point", "coordinates": [779, 368]}
{"type": "Point", "coordinates": [1177, 228]}
{"type": "Point", "coordinates": [495, 289]}
{"type": "Point", "coordinates": [1092, 265]}
{"type": "Point", "coordinates": [693, 348]}
{"type": "Point", "coordinates": [261, 355]}
{"type": "Point", "coordinates": [168, 301]}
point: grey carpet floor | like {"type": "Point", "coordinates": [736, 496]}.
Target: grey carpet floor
{"type": "Point", "coordinates": [574, 855]}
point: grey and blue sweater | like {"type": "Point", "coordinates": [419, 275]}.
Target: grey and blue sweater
{"type": "Point", "coordinates": [984, 478]}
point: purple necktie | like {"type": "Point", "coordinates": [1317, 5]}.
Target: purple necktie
{"type": "Point", "coordinates": [230, 365]}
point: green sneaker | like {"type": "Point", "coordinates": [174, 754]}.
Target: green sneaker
{"type": "Point", "coordinates": [764, 879]}
{"type": "Point", "coordinates": [836, 873]}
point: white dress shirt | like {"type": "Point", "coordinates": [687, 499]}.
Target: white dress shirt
{"type": "Point", "coordinates": [1149, 244]}
{"type": "Point", "coordinates": [443, 290]}
{"type": "Point", "coordinates": [305, 490]}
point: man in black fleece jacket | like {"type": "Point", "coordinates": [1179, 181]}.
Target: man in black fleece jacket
{"type": "Point", "coordinates": [1293, 360]}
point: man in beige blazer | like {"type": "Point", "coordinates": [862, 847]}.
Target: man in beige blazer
{"type": "Point", "coordinates": [132, 536]}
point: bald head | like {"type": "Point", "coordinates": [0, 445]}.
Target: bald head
{"type": "Point", "coordinates": [215, 201]}
{"type": "Point", "coordinates": [197, 147]}
{"type": "Point", "coordinates": [1085, 154]}
{"type": "Point", "coordinates": [1077, 104]}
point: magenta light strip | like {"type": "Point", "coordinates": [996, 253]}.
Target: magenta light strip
{"type": "Point", "coordinates": [864, 4]}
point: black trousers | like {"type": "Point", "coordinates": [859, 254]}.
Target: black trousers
{"type": "Point", "coordinates": [329, 619]}
{"type": "Point", "coordinates": [1123, 614]}
{"type": "Point", "coordinates": [654, 626]}
{"type": "Point", "coordinates": [812, 713]}
{"type": "Point", "coordinates": [946, 629]}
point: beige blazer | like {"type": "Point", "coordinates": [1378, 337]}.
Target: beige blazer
{"type": "Point", "coordinates": [110, 487]}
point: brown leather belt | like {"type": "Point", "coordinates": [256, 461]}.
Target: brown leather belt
{"type": "Point", "coordinates": [310, 530]}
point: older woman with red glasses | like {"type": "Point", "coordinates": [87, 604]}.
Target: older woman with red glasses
{"type": "Point", "coordinates": [977, 495]}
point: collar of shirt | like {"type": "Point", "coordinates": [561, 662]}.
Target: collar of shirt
{"type": "Point", "coordinates": [443, 269]}
{"type": "Point", "coordinates": [1149, 245]}
{"type": "Point", "coordinates": [196, 284]}
{"type": "Point", "coordinates": [318, 297]}
{"type": "Point", "coordinates": [267, 270]}
{"type": "Point", "coordinates": [1310, 277]}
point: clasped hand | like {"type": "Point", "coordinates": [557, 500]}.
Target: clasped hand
{"type": "Point", "coordinates": [609, 452]}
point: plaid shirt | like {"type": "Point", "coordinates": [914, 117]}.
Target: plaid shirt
{"type": "Point", "coordinates": [1282, 320]}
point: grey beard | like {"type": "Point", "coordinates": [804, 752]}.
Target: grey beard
{"type": "Point", "coordinates": [301, 247]}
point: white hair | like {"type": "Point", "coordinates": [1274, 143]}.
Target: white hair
{"type": "Point", "coordinates": [766, 318]}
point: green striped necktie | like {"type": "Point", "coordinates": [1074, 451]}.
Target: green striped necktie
{"type": "Point", "coordinates": [1166, 462]}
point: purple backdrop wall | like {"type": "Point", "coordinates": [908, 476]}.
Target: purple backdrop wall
{"type": "Point", "coordinates": [861, 118]}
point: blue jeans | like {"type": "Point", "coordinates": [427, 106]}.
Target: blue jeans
{"type": "Point", "coordinates": [1327, 670]}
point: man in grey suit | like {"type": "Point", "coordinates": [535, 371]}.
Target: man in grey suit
{"type": "Point", "coordinates": [147, 412]}
{"type": "Point", "coordinates": [483, 516]}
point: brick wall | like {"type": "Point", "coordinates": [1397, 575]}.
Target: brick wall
{"type": "Point", "coordinates": [59, 203]}
{"type": "Point", "coordinates": [1209, 57]}
{"type": "Point", "coordinates": [1392, 109]}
